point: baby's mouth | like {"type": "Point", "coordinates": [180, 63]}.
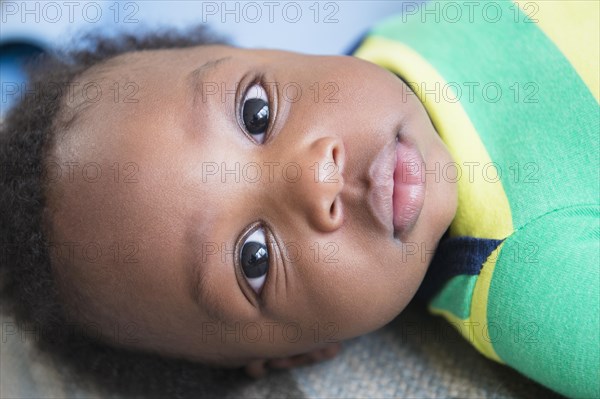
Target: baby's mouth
{"type": "Point", "coordinates": [397, 190]}
{"type": "Point", "coordinates": [409, 187]}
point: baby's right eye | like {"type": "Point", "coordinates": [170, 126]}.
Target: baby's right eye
{"type": "Point", "coordinates": [255, 112]}
{"type": "Point", "coordinates": [254, 259]}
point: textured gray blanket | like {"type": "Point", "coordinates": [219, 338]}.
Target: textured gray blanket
{"type": "Point", "coordinates": [415, 356]}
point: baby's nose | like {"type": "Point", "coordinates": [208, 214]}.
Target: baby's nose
{"type": "Point", "coordinates": [316, 191]}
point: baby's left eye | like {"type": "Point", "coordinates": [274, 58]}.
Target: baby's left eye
{"type": "Point", "coordinates": [255, 112]}
{"type": "Point", "coordinates": [254, 259]}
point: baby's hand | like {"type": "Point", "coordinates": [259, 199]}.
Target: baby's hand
{"type": "Point", "coordinates": [259, 368]}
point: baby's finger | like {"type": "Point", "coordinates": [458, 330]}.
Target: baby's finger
{"type": "Point", "coordinates": [314, 356]}
{"type": "Point", "coordinates": [332, 350]}
{"type": "Point", "coordinates": [288, 362]}
{"type": "Point", "coordinates": [256, 369]}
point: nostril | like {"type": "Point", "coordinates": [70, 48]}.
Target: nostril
{"type": "Point", "coordinates": [335, 154]}
{"type": "Point", "coordinates": [335, 211]}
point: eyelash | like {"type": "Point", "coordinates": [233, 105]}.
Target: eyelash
{"type": "Point", "coordinates": [256, 80]}
{"type": "Point", "coordinates": [254, 227]}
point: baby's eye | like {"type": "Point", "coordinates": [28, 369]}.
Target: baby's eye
{"type": "Point", "coordinates": [254, 259]}
{"type": "Point", "coordinates": [255, 112]}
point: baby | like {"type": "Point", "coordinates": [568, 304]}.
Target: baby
{"type": "Point", "coordinates": [253, 208]}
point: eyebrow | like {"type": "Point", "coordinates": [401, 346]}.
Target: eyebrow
{"type": "Point", "coordinates": [205, 294]}
{"type": "Point", "coordinates": [195, 77]}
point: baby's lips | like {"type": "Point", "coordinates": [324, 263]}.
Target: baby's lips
{"type": "Point", "coordinates": [409, 186]}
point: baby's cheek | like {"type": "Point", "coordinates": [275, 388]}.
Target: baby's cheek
{"type": "Point", "coordinates": [356, 296]}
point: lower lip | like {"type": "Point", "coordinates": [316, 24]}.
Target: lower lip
{"type": "Point", "coordinates": [409, 187]}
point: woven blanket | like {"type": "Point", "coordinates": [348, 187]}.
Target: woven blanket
{"type": "Point", "coordinates": [415, 356]}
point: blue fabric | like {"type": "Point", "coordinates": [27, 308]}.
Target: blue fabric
{"type": "Point", "coordinates": [455, 256]}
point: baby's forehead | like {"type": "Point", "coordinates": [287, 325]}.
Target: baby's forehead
{"type": "Point", "coordinates": [106, 87]}
{"type": "Point", "coordinates": [119, 77]}
{"type": "Point", "coordinates": [143, 61]}
{"type": "Point", "coordinates": [85, 92]}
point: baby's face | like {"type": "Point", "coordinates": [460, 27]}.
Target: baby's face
{"type": "Point", "coordinates": [244, 208]}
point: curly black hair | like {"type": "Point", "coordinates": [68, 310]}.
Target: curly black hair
{"type": "Point", "coordinates": [28, 289]}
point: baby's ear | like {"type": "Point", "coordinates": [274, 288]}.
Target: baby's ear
{"type": "Point", "coordinates": [259, 368]}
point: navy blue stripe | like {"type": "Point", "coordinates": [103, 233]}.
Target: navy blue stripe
{"type": "Point", "coordinates": [455, 256]}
